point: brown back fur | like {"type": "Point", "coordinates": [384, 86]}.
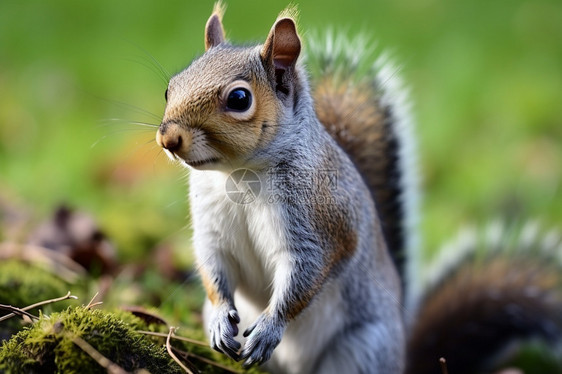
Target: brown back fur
{"type": "Point", "coordinates": [353, 115]}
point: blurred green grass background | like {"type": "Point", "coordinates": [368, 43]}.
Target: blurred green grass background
{"type": "Point", "coordinates": [485, 79]}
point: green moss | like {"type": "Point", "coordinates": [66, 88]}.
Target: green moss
{"type": "Point", "coordinates": [537, 357]}
{"type": "Point", "coordinates": [48, 345]}
{"type": "Point", "coordinates": [23, 284]}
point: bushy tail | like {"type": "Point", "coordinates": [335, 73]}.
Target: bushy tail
{"type": "Point", "coordinates": [359, 100]}
{"type": "Point", "coordinates": [505, 288]}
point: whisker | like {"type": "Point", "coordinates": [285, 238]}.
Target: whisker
{"type": "Point", "coordinates": [129, 130]}
{"type": "Point", "coordinates": [153, 140]}
{"type": "Point", "coordinates": [159, 152]}
{"type": "Point", "coordinates": [218, 140]}
{"type": "Point", "coordinates": [98, 141]}
{"type": "Point", "coordinates": [122, 131]}
{"type": "Point", "coordinates": [219, 132]}
{"type": "Point", "coordinates": [130, 107]}
{"type": "Point", "coordinates": [152, 148]}
{"type": "Point", "coordinates": [156, 63]}
{"type": "Point", "coordinates": [141, 146]}
{"type": "Point", "coordinates": [135, 130]}
{"type": "Point", "coordinates": [124, 121]}
{"type": "Point", "coordinates": [224, 157]}
{"type": "Point", "coordinates": [152, 67]}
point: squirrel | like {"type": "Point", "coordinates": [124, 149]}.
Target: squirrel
{"type": "Point", "coordinates": [303, 205]}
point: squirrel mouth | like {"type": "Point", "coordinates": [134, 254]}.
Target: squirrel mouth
{"type": "Point", "coordinates": [196, 164]}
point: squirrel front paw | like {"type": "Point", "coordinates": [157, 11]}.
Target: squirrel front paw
{"type": "Point", "coordinates": [223, 327]}
{"type": "Point", "coordinates": [263, 336]}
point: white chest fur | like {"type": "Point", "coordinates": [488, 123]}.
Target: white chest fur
{"type": "Point", "coordinates": [250, 241]}
{"type": "Point", "coordinates": [248, 236]}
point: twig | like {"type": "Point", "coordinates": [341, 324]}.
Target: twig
{"type": "Point", "coordinates": [162, 335]}
{"type": "Point", "coordinates": [41, 303]}
{"type": "Point", "coordinates": [103, 361]}
{"type": "Point", "coordinates": [181, 355]}
{"type": "Point", "coordinates": [189, 354]}
{"type": "Point", "coordinates": [17, 311]}
{"type": "Point", "coordinates": [443, 364]}
{"type": "Point", "coordinates": [206, 360]}
{"type": "Point", "coordinates": [91, 304]}
{"type": "Point", "coordinates": [171, 353]}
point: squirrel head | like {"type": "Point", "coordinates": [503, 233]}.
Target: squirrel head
{"type": "Point", "coordinates": [229, 103]}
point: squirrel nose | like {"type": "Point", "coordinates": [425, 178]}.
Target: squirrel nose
{"type": "Point", "coordinates": [169, 136]}
{"type": "Point", "coordinates": [171, 143]}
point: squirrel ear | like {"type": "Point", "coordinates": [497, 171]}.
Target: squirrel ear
{"type": "Point", "coordinates": [283, 45]}
{"type": "Point", "coordinates": [214, 32]}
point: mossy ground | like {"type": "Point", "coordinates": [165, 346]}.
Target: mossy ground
{"type": "Point", "coordinates": [23, 284]}
{"type": "Point", "coordinates": [48, 344]}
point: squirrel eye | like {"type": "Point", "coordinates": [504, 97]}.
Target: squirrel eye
{"type": "Point", "coordinates": [166, 95]}
{"type": "Point", "coordinates": [239, 99]}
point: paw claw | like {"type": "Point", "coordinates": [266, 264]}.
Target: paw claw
{"type": "Point", "coordinates": [223, 328]}
{"type": "Point", "coordinates": [248, 331]}
{"type": "Point", "coordinates": [248, 363]}
{"type": "Point", "coordinates": [234, 316]}
{"type": "Point", "coordinates": [263, 336]}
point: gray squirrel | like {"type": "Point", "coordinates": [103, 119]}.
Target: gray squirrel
{"type": "Point", "coordinates": [303, 204]}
